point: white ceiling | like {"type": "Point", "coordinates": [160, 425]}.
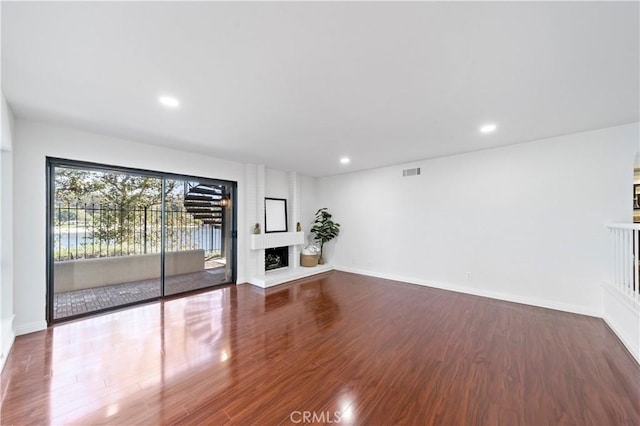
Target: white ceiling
{"type": "Point", "coordinates": [297, 85]}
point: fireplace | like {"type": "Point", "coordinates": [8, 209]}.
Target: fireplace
{"type": "Point", "coordinates": [275, 258]}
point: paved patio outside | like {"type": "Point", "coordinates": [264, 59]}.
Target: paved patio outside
{"type": "Point", "coordinates": [92, 299]}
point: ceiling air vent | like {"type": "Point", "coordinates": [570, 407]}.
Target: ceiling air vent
{"type": "Point", "coordinates": [411, 172]}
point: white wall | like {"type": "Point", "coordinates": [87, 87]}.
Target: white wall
{"type": "Point", "coordinates": [33, 142]}
{"type": "Point", "coordinates": [308, 204]}
{"type": "Point", "coordinates": [276, 184]}
{"type": "Point", "coordinates": [526, 221]}
{"type": "Point", "coordinates": [7, 331]}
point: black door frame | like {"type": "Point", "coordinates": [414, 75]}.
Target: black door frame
{"type": "Point", "coordinates": [53, 162]}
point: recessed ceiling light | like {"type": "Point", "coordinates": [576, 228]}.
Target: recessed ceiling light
{"type": "Point", "coordinates": [488, 128]}
{"type": "Point", "coordinates": [345, 160]}
{"type": "Point", "coordinates": [168, 101]}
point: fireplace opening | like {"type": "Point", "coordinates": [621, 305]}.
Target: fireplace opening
{"type": "Point", "coordinates": [275, 258]}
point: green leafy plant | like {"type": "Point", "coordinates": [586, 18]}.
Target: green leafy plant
{"type": "Point", "coordinates": [324, 229]}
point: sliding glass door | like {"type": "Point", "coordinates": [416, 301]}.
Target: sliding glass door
{"type": "Point", "coordinates": [118, 237]}
{"type": "Point", "coordinates": [196, 238]}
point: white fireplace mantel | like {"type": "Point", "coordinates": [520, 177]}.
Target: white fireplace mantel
{"type": "Point", "coordinates": [275, 239]}
{"type": "Point", "coordinates": [255, 177]}
{"type": "Point", "coordinates": [284, 275]}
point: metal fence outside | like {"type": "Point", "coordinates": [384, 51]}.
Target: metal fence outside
{"type": "Point", "coordinates": [88, 230]}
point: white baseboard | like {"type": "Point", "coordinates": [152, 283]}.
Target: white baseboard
{"type": "Point", "coordinates": [8, 337]}
{"type": "Point", "coordinates": [285, 275]}
{"type": "Point", "coordinates": [549, 304]}
{"type": "Point", "coordinates": [31, 327]}
{"type": "Point", "coordinates": [3, 360]}
{"type": "Point", "coordinates": [635, 353]}
{"type": "Point", "coordinates": [19, 330]}
{"type": "Point", "coordinates": [622, 315]}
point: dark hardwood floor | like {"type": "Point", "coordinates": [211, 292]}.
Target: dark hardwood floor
{"type": "Point", "coordinates": [376, 352]}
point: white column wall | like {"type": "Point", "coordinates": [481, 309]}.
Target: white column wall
{"type": "Point", "coordinates": [308, 205]}
{"type": "Point", "coordinates": [254, 213]}
{"type": "Point", "coordinates": [294, 215]}
{"type": "Point", "coordinates": [7, 329]}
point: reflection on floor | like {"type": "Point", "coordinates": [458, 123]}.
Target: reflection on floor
{"type": "Point", "coordinates": [93, 299]}
{"type": "Point", "coordinates": [338, 348]}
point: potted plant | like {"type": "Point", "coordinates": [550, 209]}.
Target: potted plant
{"type": "Point", "coordinates": [324, 229]}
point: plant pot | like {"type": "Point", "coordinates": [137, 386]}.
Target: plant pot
{"type": "Point", "coordinates": [320, 261]}
{"type": "Point", "coordinates": [308, 260]}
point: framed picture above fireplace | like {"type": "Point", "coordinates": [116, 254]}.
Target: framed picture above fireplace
{"type": "Point", "coordinates": [275, 215]}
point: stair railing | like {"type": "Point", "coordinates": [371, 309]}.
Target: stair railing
{"type": "Point", "coordinates": [625, 253]}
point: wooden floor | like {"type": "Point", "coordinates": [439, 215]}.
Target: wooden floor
{"type": "Point", "coordinates": [339, 347]}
